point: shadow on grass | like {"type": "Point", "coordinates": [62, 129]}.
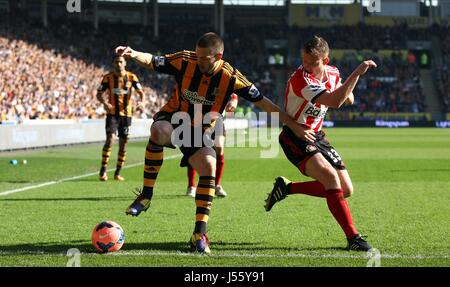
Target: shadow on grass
{"type": "Point", "coordinates": [16, 181]}
{"type": "Point", "coordinates": [60, 248]}
{"type": "Point", "coordinates": [84, 246]}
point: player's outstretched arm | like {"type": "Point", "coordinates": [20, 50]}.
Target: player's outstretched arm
{"type": "Point", "coordinates": [107, 106]}
{"type": "Point", "coordinates": [142, 101]}
{"type": "Point", "coordinates": [300, 131]}
{"type": "Point", "coordinates": [336, 98]}
{"type": "Point", "coordinates": [143, 59]}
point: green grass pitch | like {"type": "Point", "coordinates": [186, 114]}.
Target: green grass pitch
{"type": "Point", "coordinates": [401, 201]}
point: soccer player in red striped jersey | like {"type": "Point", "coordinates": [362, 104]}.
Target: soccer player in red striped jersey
{"type": "Point", "coordinates": [312, 89]}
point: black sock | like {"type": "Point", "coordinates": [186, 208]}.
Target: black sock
{"type": "Point", "coordinates": [147, 192]}
{"type": "Point", "coordinates": [200, 227]}
{"type": "Point", "coordinates": [102, 170]}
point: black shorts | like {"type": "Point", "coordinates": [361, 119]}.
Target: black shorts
{"type": "Point", "coordinates": [121, 124]}
{"type": "Point", "coordinates": [192, 148]}
{"type": "Point", "coordinates": [299, 151]}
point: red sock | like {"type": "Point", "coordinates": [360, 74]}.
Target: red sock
{"type": "Point", "coordinates": [313, 188]}
{"type": "Point", "coordinates": [219, 168]}
{"type": "Point", "coordinates": [191, 176]}
{"type": "Point", "coordinates": [339, 208]}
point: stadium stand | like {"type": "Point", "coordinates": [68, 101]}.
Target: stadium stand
{"type": "Point", "coordinates": [443, 70]}
{"type": "Point", "coordinates": [54, 73]}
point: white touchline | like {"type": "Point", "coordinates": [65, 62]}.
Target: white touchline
{"type": "Point", "coordinates": [86, 175]}
{"type": "Point", "coordinates": [231, 255]}
{"type": "Point", "coordinates": [74, 177]}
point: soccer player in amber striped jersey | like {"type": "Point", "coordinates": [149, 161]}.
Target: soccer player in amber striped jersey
{"type": "Point", "coordinates": [310, 91]}
{"type": "Point", "coordinates": [204, 80]}
{"type": "Point", "coordinates": [118, 106]}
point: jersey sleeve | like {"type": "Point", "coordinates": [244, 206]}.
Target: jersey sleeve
{"type": "Point", "coordinates": [245, 89]}
{"type": "Point", "coordinates": [170, 63]}
{"type": "Point", "coordinates": [135, 83]}
{"type": "Point", "coordinates": [103, 85]}
{"type": "Point", "coordinates": [312, 91]}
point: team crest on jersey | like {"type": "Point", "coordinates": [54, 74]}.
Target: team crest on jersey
{"type": "Point", "coordinates": [311, 148]}
{"type": "Point", "coordinates": [159, 61]}
{"type": "Point", "coordinates": [253, 92]}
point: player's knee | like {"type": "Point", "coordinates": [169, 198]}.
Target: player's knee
{"type": "Point", "coordinates": [208, 169]}
{"type": "Point", "coordinates": [205, 168]}
{"type": "Point", "coordinates": [159, 135]}
{"type": "Point", "coordinates": [348, 190]}
{"type": "Point", "coordinates": [109, 141]}
{"type": "Point", "coordinates": [123, 144]}
{"type": "Point", "coordinates": [219, 150]}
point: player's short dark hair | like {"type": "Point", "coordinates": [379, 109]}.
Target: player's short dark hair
{"type": "Point", "coordinates": [211, 40]}
{"type": "Point", "coordinates": [317, 46]}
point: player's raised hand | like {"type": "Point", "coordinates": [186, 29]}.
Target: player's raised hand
{"type": "Point", "coordinates": [364, 66]}
{"type": "Point", "coordinates": [141, 105]}
{"type": "Point", "coordinates": [124, 51]}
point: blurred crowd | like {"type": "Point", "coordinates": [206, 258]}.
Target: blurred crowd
{"type": "Point", "coordinates": [443, 70]}
{"type": "Point", "coordinates": [53, 73]}
{"type": "Point", "coordinates": [393, 87]}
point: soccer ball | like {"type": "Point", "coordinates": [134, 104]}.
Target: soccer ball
{"type": "Point", "coordinates": [107, 236]}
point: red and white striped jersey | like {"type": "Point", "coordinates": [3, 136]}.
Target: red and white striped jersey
{"type": "Point", "coordinates": [302, 91]}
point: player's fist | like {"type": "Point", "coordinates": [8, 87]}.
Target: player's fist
{"type": "Point", "coordinates": [304, 133]}
{"type": "Point", "coordinates": [141, 105]}
{"type": "Point", "coordinates": [364, 66]}
{"type": "Point", "coordinates": [107, 107]}
{"type": "Point", "coordinates": [232, 104]}
{"type": "Point", "coordinates": [125, 52]}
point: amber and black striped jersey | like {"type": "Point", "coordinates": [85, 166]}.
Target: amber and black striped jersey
{"type": "Point", "coordinates": [212, 92]}
{"type": "Point", "coordinates": [120, 92]}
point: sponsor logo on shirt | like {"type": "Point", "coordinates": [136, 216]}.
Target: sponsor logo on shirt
{"type": "Point", "coordinates": [315, 112]}
{"type": "Point", "coordinates": [194, 98]}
